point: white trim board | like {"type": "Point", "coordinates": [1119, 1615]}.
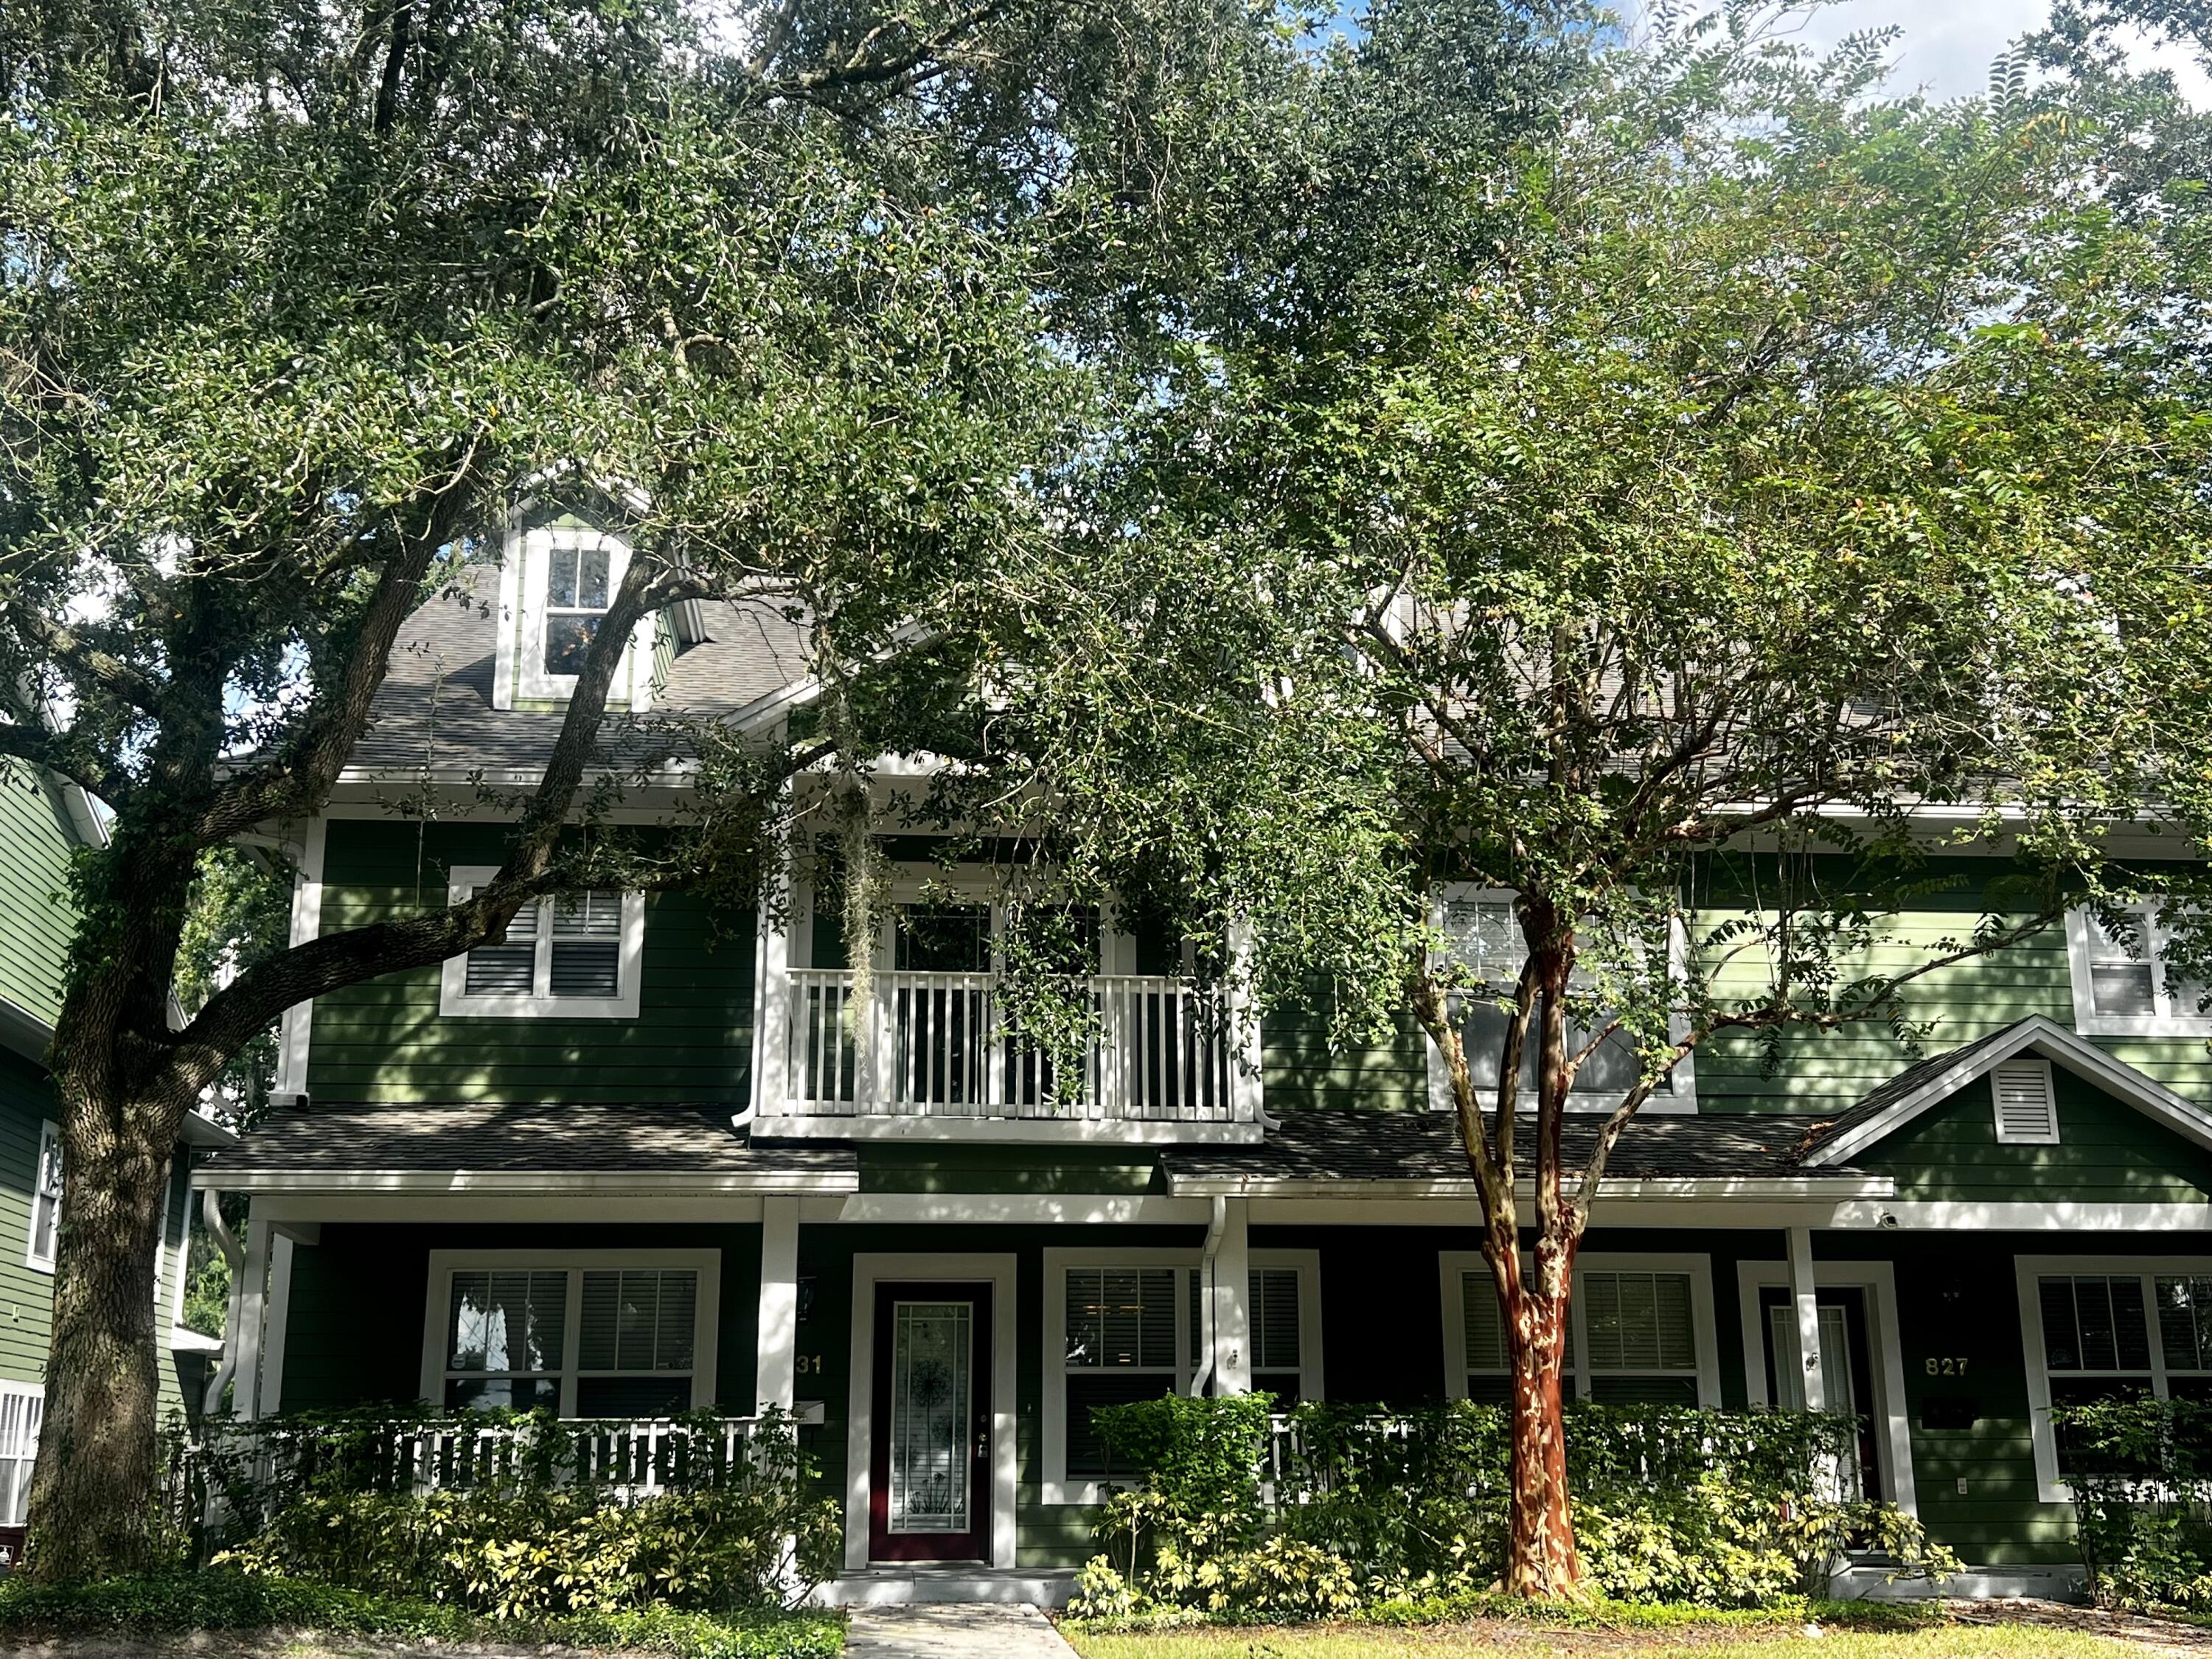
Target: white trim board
{"type": "Point", "coordinates": [871, 1268]}
{"type": "Point", "coordinates": [2052, 1041]}
{"type": "Point", "coordinates": [1879, 1281]}
{"type": "Point", "coordinates": [297, 1028]}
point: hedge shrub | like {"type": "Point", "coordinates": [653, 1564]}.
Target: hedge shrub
{"type": "Point", "coordinates": [1368, 1508]}
{"type": "Point", "coordinates": [2141, 1473]}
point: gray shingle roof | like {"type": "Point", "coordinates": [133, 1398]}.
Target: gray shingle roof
{"type": "Point", "coordinates": [1879, 1100]}
{"type": "Point", "coordinates": [436, 706]}
{"type": "Point", "coordinates": [546, 1137]}
{"type": "Point", "coordinates": [1354, 1147]}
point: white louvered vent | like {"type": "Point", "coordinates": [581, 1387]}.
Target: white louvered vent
{"type": "Point", "coordinates": [2027, 1107]}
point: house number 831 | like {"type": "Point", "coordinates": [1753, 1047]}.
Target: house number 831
{"type": "Point", "coordinates": [1954, 1367]}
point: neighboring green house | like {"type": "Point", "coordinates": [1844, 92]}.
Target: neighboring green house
{"type": "Point", "coordinates": [41, 823]}
{"type": "Point", "coordinates": [633, 1160]}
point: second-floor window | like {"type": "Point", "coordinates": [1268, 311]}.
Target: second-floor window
{"type": "Point", "coordinates": [2124, 984]}
{"type": "Point", "coordinates": [1485, 941]}
{"type": "Point", "coordinates": [577, 586]}
{"type": "Point", "coordinates": [576, 956]}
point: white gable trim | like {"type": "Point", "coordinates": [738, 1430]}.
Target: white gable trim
{"type": "Point", "coordinates": [2053, 1041]}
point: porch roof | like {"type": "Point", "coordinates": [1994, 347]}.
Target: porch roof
{"type": "Point", "coordinates": [522, 1144]}
{"type": "Point", "coordinates": [1747, 1152]}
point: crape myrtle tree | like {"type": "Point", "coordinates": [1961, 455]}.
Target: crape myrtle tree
{"type": "Point", "coordinates": [1804, 485]}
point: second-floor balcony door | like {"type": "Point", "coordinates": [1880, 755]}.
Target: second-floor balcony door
{"type": "Point", "coordinates": [941, 1005]}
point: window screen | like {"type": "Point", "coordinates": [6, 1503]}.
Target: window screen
{"type": "Point", "coordinates": [1642, 1340]}
{"type": "Point", "coordinates": [2096, 1345]}
{"type": "Point", "coordinates": [588, 944]}
{"type": "Point", "coordinates": [505, 1333]}
{"type": "Point", "coordinates": [1273, 1311]}
{"type": "Point", "coordinates": [510, 967]}
{"type": "Point", "coordinates": [1120, 1347]}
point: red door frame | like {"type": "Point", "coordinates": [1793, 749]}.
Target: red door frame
{"type": "Point", "coordinates": [975, 1544]}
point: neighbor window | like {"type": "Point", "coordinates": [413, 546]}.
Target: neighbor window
{"type": "Point", "coordinates": [595, 1338]}
{"type": "Point", "coordinates": [1483, 938]}
{"type": "Point", "coordinates": [46, 1199]}
{"type": "Point", "coordinates": [2113, 1330]}
{"type": "Point", "coordinates": [2124, 985]}
{"type": "Point", "coordinates": [1636, 1334]}
{"type": "Point", "coordinates": [1130, 1328]}
{"type": "Point", "coordinates": [576, 955]}
{"type": "Point", "coordinates": [23, 1407]}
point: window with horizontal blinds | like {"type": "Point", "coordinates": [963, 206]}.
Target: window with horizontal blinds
{"type": "Point", "coordinates": [626, 1337]}
{"type": "Point", "coordinates": [2096, 1346]}
{"type": "Point", "coordinates": [1120, 1347]}
{"type": "Point", "coordinates": [1277, 1357]}
{"type": "Point", "coordinates": [510, 967]}
{"type": "Point", "coordinates": [586, 944]}
{"type": "Point", "coordinates": [1639, 1330]}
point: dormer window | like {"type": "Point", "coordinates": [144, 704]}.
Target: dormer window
{"type": "Point", "coordinates": [578, 586]}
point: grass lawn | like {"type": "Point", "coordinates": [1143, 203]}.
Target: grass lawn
{"type": "Point", "coordinates": [1526, 1641]}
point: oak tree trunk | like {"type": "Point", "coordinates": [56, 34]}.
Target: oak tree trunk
{"type": "Point", "coordinates": [96, 1494]}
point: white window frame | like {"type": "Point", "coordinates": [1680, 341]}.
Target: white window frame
{"type": "Point", "coordinates": [1057, 1486]}
{"type": "Point", "coordinates": [1705, 1333]}
{"type": "Point", "coordinates": [453, 994]}
{"type": "Point", "coordinates": [1678, 1093]}
{"type": "Point", "coordinates": [524, 579]}
{"type": "Point", "coordinates": [2051, 1487]}
{"type": "Point", "coordinates": [18, 1449]}
{"type": "Point", "coordinates": [50, 1139]}
{"type": "Point", "coordinates": [706, 1312]}
{"type": "Point", "coordinates": [2082, 952]}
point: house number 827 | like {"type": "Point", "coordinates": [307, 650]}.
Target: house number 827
{"type": "Point", "coordinates": [1954, 1367]}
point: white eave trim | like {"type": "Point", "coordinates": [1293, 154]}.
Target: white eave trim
{"type": "Point", "coordinates": [1750, 1188]}
{"type": "Point", "coordinates": [526, 1182]}
{"type": "Point", "coordinates": [2054, 1043]}
{"type": "Point", "coordinates": [1072, 1131]}
{"type": "Point", "coordinates": [24, 1031]}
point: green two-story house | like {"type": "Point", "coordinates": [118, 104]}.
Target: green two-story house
{"type": "Point", "coordinates": [43, 823]}
{"type": "Point", "coordinates": [650, 1154]}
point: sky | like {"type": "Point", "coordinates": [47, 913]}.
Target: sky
{"type": "Point", "coordinates": [1948, 44]}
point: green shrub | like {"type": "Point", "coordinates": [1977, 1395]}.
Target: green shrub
{"type": "Point", "coordinates": [1359, 1509]}
{"type": "Point", "coordinates": [538, 1552]}
{"type": "Point", "coordinates": [223, 1599]}
{"type": "Point", "coordinates": [2141, 1473]}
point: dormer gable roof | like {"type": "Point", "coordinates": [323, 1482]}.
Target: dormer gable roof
{"type": "Point", "coordinates": [1921, 1088]}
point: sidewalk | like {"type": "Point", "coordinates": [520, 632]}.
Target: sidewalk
{"type": "Point", "coordinates": [953, 1631]}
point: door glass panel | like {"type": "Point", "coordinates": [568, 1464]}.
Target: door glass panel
{"type": "Point", "coordinates": [1837, 1389]}
{"type": "Point", "coordinates": [932, 1347]}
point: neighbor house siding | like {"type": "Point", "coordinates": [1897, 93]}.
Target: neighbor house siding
{"type": "Point", "coordinates": [385, 1040]}
{"type": "Point", "coordinates": [26, 1099]}
{"type": "Point", "coordinates": [37, 919]}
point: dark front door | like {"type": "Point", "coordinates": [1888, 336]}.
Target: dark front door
{"type": "Point", "coordinates": [929, 1474]}
{"type": "Point", "coordinates": [1846, 1366]}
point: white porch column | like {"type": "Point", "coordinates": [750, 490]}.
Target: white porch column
{"type": "Point", "coordinates": [1246, 1105]}
{"type": "Point", "coordinates": [253, 1304]}
{"type": "Point", "coordinates": [1232, 1289]}
{"type": "Point", "coordinates": [772, 963]}
{"type": "Point", "coordinates": [1809, 1318]}
{"type": "Point", "coordinates": [776, 1367]}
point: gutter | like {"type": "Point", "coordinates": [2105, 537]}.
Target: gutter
{"type": "Point", "coordinates": [1747, 1188]}
{"type": "Point", "coordinates": [528, 1181]}
{"type": "Point", "coordinates": [1202, 1374]}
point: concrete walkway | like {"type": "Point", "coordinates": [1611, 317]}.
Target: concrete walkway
{"type": "Point", "coordinates": [946, 1629]}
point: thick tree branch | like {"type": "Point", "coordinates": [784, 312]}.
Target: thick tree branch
{"type": "Point", "coordinates": [68, 759]}
{"type": "Point", "coordinates": [87, 664]}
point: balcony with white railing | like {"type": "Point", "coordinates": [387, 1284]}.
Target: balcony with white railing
{"type": "Point", "coordinates": [1167, 1059]}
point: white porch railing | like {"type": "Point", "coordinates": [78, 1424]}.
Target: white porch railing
{"type": "Point", "coordinates": [936, 1045]}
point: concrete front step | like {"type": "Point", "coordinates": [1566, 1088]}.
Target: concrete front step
{"type": "Point", "coordinates": [896, 1586]}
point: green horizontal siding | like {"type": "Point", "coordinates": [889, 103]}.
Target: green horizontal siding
{"type": "Point", "coordinates": [385, 1040]}
{"type": "Point", "coordinates": [37, 919]}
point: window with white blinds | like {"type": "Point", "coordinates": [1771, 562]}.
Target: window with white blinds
{"type": "Point", "coordinates": [1132, 1329]}
{"type": "Point", "coordinates": [1633, 1337]}
{"type": "Point", "coordinates": [2129, 979]}
{"type": "Point", "coordinates": [23, 1408]}
{"type": "Point", "coordinates": [616, 1340]}
{"type": "Point", "coordinates": [1484, 940]}
{"type": "Point", "coordinates": [576, 956]}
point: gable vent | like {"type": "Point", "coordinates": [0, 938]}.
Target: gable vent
{"type": "Point", "coordinates": [2027, 1108]}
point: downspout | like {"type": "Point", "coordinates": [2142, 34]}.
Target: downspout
{"type": "Point", "coordinates": [743, 1121]}
{"type": "Point", "coordinates": [1201, 1374]}
{"type": "Point", "coordinates": [227, 1242]}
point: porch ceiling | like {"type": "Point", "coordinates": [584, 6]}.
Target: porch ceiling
{"type": "Point", "coordinates": [518, 1144]}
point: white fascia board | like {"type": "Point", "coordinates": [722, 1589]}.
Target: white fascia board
{"type": "Point", "coordinates": [2054, 1043]}
{"type": "Point", "coordinates": [412, 1181]}
{"type": "Point", "coordinates": [1748, 1188]}
{"type": "Point", "coordinates": [184, 1339]}
{"type": "Point", "coordinates": [1077, 1132]}
{"type": "Point", "coordinates": [24, 1031]}
{"type": "Point", "coordinates": [201, 1130]}
{"type": "Point", "coordinates": [2030, 1216]}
